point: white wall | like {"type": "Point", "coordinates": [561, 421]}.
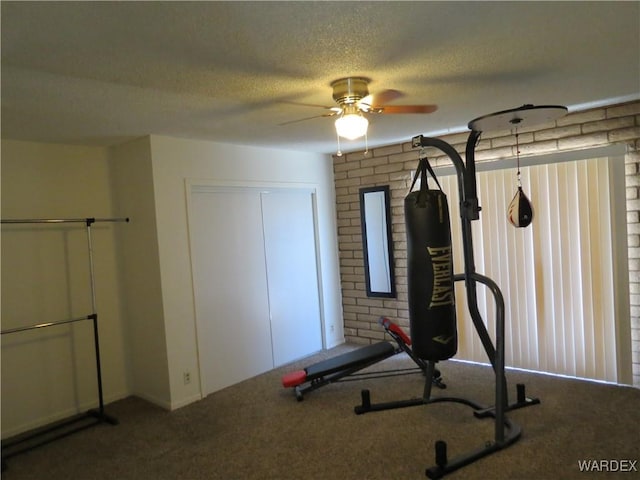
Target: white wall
{"type": "Point", "coordinates": [175, 161]}
{"type": "Point", "coordinates": [132, 183]}
{"type": "Point", "coordinates": [143, 268]}
{"type": "Point", "coordinates": [50, 373]}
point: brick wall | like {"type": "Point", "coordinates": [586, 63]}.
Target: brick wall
{"type": "Point", "coordinates": [393, 165]}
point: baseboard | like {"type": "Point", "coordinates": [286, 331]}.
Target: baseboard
{"type": "Point", "coordinates": [335, 343]}
{"type": "Point", "coordinates": [160, 402]}
{"type": "Point", "coordinates": [186, 401]}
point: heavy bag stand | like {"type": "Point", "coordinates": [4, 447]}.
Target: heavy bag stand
{"type": "Point", "coordinates": [506, 431]}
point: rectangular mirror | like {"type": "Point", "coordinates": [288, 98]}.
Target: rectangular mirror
{"type": "Point", "coordinates": [375, 214]}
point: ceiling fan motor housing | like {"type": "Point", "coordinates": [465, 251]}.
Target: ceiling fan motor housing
{"type": "Point", "coordinates": [350, 90]}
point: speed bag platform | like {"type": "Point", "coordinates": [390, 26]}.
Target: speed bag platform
{"type": "Point", "coordinates": [431, 295]}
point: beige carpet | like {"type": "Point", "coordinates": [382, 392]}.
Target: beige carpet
{"type": "Point", "coordinates": [257, 430]}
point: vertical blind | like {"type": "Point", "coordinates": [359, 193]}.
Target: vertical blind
{"type": "Point", "coordinates": [556, 275]}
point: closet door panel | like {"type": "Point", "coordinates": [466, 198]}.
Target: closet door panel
{"type": "Point", "coordinates": [234, 336]}
{"type": "Point", "coordinates": [290, 252]}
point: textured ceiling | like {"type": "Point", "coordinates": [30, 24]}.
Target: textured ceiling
{"type": "Point", "coordinates": [99, 73]}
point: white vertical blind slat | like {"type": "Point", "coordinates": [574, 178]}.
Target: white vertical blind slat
{"type": "Point", "coordinates": [586, 362]}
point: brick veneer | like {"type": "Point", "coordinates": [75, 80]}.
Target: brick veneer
{"type": "Point", "coordinates": [393, 165]}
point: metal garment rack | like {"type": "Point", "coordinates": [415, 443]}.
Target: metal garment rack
{"type": "Point", "coordinates": [25, 442]}
{"type": "Point", "coordinates": [506, 432]}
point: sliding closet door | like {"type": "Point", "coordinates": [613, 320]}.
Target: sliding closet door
{"type": "Point", "coordinates": [230, 286]}
{"type": "Point", "coordinates": [255, 280]}
{"type": "Point", "coordinates": [290, 252]}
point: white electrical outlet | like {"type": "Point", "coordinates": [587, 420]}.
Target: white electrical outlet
{"type": "Point", "coordinates": [186, 377]}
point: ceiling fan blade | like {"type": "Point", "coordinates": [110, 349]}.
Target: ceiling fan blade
{"type": "Point", "coordinates": [307, 118]}
{"type": "Point", "coordinates": [375, 102]}
{"type": "Point", "coordinates": [406, 108]}
{"type": "Point", "coordinates": [384, 97]}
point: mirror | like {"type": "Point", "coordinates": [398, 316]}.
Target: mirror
{"type": "Point", "coordinates": [377, 244]}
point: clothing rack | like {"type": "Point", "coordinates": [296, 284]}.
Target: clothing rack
{"type": "Point", "coordinates": [41, 436]}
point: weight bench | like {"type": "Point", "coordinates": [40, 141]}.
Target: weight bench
{"type": "Point", "coordinates": [337, 368]}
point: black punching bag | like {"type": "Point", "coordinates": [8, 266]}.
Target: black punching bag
{"type": "Point", "coordinates": [432, 313]}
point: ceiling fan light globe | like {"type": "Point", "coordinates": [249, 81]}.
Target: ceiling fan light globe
{"type": "Point", "coordinates": [352, 126]}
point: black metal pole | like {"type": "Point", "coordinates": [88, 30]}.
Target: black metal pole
{"type": "Point", "coordinates": [498, 361]}
{"type": "Point", "coordinates": [96, 341]}
{"type": "Point", "coordinates": [96, 338]}
{"type": "Point", "coordinates": [469, 211]}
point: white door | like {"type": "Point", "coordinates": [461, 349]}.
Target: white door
{"type": "Point", "coordinates": [255, 281]}
{"type": "Point", "coordinates": [292, 274]}
{"type": "Point", "coordinates": [230, 287]}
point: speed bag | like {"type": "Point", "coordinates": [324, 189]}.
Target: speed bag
{"type": "Point", "coordinates": [520, 211]}
{"type": "Point", "coordinates": [432, 312]}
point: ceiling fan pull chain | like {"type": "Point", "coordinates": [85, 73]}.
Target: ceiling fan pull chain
{"type": "Point", "coordinates": [366, 144]}
{"type": "Point", "coordinates": [518, 160]}
{"type": "Point", "coordinates": [339, 152]}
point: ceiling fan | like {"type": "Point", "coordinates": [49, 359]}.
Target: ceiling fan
{"type": "Point", "coordinates": [353, 99]}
